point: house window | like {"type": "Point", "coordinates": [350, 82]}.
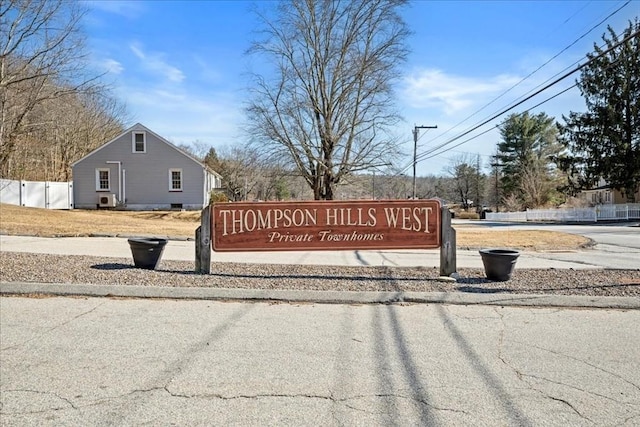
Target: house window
{"type": "Point", "coordinates": [175, 179]}
{"type": "Point", "coordinates": [139, 142]}
{"type": "Point", "coordinates": [102, 180]}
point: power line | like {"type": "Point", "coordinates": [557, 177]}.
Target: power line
{"type": "Point", "coordinates": [538, 69]}
{"type": "Point", "coordinates": [490, 129]}
{"type": "Point", "coordinates": [560, 53]}
{"type": "Point", "coordinates": [425, 155]}
{"type": "Point", "coordinates": [575, 14]}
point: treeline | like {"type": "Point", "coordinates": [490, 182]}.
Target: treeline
{"type": "Point", "coordinates": [53, 110]}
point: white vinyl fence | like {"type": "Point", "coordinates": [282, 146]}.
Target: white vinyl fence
{"type": "Point", "coordinates": [597, 213]}
{"type": "Point", "coordinates": [49, 195]}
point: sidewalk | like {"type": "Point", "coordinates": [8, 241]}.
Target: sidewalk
{"type": "Point", "coordinates": [181, 250]}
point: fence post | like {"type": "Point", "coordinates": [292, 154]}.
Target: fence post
{"type": "Point", "coordinates": [448, 244]}
{"type": "Point", "coordinates": [203, 243]}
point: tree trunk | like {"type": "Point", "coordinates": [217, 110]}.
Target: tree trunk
{"type": "Point", "coordinates": [328, 188]}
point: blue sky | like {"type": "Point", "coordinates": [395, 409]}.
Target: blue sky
{"type": "Point", "coordinates": [181, 67]}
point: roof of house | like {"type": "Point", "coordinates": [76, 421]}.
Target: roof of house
{"type": "Point", "coordinates": [602, 187]}
{"type": "Point", "coordinates": [140, 127]}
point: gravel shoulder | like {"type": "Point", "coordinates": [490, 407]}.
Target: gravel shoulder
{"type": "Point", "coordinates": [46, 268]}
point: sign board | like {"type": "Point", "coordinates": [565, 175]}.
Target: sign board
{"type": "Point", "coordinates": [326, 225]}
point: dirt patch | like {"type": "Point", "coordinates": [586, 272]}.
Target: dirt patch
{"type": "Point", "coordinates": [17, 220]}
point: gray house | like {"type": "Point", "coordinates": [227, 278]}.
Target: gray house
{"type": "Point", "coordinates": [140, 170]}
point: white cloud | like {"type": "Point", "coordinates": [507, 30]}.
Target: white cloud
{"type": "Point", "coordinates": [155, 63]}
{"type": "Point", "coordinates": [456, 104]}
{"type": "Point", "coordinates": [432, 88]}
{"type": "Point", "coordinates": [112, 66]}
{"type": "Point", "coordinates": [184, 117]}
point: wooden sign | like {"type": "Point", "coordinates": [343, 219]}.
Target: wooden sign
{"type": "Point", "coordinates": [326, 225]}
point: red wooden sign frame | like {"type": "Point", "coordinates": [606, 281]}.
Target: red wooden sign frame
{"type": "Point", "coordinates": [326, 225]}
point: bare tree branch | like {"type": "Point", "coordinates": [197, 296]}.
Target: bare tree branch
{"type": "Point", "coordinates": [42, 59]}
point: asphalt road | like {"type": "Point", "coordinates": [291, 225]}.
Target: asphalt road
{"type": "Point", "coordinates": [134, 362]}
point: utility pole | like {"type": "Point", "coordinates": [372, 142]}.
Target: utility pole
{"type": "Point", "coordinates": [415, 152]}
{"type": "Point", "coordinates": [496, 165]}
{"type": "Point", "coordinates": [477, 185]}
{"type": "Point", "coordinates": [373, 185]}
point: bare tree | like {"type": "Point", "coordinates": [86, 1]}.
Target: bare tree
{"type": "Point", "coordinates": [512, 203]}
{"type": "Point", "coordinates": [73, 129]}
{"type": "Point", "coordinates": [42, 58]}
{"type": "Point", "coordinates": [397, 187]}
{"type": "Point", "coordinates": [467, 179]}
{"type": "Point", "coordinates": [240, 170]}
{"type": "Point", "coordinates": [245, 175]}
{"type": "Point", "coordinates": [88, 121]}
{"type": "Point", "coordinates": [329, 108]}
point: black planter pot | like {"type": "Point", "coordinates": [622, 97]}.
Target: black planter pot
{"type": "Point", "coordinates": [147, 251]}
{"type": "Point", "coordinates": [499, 263]}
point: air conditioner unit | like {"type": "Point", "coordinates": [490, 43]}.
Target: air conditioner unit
{"type": "Point", "coordinates": [107, 200]}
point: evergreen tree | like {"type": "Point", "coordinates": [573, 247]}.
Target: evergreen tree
{"type": "Point", "coordinates": [525, 154]}
{"type": "Point", "coordinates": [212, 160]}
{"type": "Point", "coordinates": [604, 142]}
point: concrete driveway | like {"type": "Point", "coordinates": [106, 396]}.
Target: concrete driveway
{"type": "Point", "coordinates": [625, 235]}
{"type": "Point", "coordinates": [617, 245]}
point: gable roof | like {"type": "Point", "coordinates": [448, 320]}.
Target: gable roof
{"type": "Point", "coordinates": [606, 186]}
{"type": "Point", "coordinates": [141, 128]}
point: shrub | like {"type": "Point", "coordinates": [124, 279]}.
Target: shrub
{"type": "Point", "coordinates": [467, 215]}
{"type": "Point", "coordinates": [217, 197]}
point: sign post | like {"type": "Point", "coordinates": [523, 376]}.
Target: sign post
{"type": "Point", "coordinates": [448, 246]}
{"type": "Point", "coordinates": [203, 243]}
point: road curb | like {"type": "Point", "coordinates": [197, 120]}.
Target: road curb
{"type": "Point", "coordinates": [321, 297]}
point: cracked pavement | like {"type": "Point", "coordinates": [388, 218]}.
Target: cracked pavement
{"type": "Point", "coordinates": [135, 362]}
